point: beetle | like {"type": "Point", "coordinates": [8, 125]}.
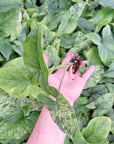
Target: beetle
{"type": "Point", "coordinates": [76, 63]}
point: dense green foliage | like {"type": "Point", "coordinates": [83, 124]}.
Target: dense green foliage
{"type": "Point", "coordinates": [56, 27]}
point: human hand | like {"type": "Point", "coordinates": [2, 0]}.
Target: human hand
{"type": "Point", "coordinates": [70, 88]}
{"type": "Point", "coordinates": [46, 130]}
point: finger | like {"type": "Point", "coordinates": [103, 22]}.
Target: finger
{"type": "Point", "coordinates": [46, 60]}
{"type": "Point", "coordinates": [88, 73]}
{"type": "Point", "coordinates": [66, 60]}
{"type": "Point", "coordinates": [82, 64]}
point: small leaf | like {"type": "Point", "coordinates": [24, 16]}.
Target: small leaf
{"type": "Point", "coordinates": [95, 38]}
{"type": "Point", "coordinates": [85, 25]}
{"type": "Point", "coordinates": [103, 17]}
{"type": "Point", "coordinates": [97, 130]}
{"type": "Point", "coordinates": [93, 57]}
{"type": "Point", "coordinates": [30, 54]}
{"type": "Point", "coordinates": [63, 23]}
{"type": "Point", "coordinates": [5, 48]}
{"type": "Point", "coordinates": [78, 9]}
{"type": "Point", "coordinates": [52, 55]}
{"type": "Point", "coordinates": [18, 47]}
{"type": "Point", "coordinates": [44, 74]}
{"type": "Point", "coordinates": [6, 6]}
{"type": "Point", "coordinates": [9, 22]}
{"type": "Point", "coordinates": [102, 104]}
{"type": "Point", "coordinates": [104, 54]}
{"type": "Point", "coordinates": [110, 71]}
{"type": "Point", "coordinates": [95, 77]}
{"type": "Point", "coordinates": [108, 3]}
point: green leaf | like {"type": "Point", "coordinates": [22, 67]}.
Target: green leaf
{"type": "Point", "coordinates": [106, 141]}
{"type": "Point", "coordinates": [9, 104]}
{"type": "Point", "coordinates": [79, 106]}
{"type": "Point", "coordinates": [95, 77]}
{"type": "Point", "coordinates": [16, 63]}
{"type": "Point", "coordinates": [93, 57]}
{"type": "Point", "coordinates": [44, 75]}
{"type": "Point", "coordinates": [110, 87]}
{"type": "Point", "coordinates": [85, 25]}
{"type": "Point", "coordinates": [104, 54]}
{"type": "Point", "coordinates": [72, 24]}
{"type": "Point", "coordinates": [5, 48]}
{"type": "Point", "coordinates": [97, 130]}
{"type": "Point", "coordinates": [30, 54]}
{"type": "Point", "coordinates": [18, 47]}
{"type": "Point", "coordinates": [77, 9]}
{"type": "Point", "coordinates": [52, 55]}
{"type": "Point", "coordinates": [53, 19]}
{"type": "Point", "coordinates": [9, 22]}
{"type": "Point", "coordinates": [76, 0]}
{"type": "Point", "coordinates": [78, 138]}
{"type": "Point", "coordinates": [108, 41]}
{"type": "Point", "coordinates": [95, 38]}
{"type": "Point", "coordinates": [16, 33]}
{"type": "Point", "coordinates": [48, 36]}
{"type": "Point", "coordinates": [103, 17]}
{"type": "Point", "coordinates": [81, 43]}
{"type": "Point", "coordinates": [99, 89]}
{"type": "Point", "coordinates": [6, 6]}
{"type": "Point", "coordinates": [30, 3]}
{"type": "Point", "coordinates": [63, 23]}
{"type": "Point", "coordinates": [102, 104]}
{"type": "Point", "coordinates": [15, 82]}
{"type": "Point", "coordinates": [66, 141]}
{"type": "Point", "coordinates": [108, 3]}
{"type": "Point", "coordinates": [110, 71]}
{"type": "Point", "coordinates": [17, 126]}
{"type": "Point", "coordinates": [111, 115]}
{"type": "Point", "coordinates": [69, 41]}
{"type": "Point", "coordinates": [61, 112]}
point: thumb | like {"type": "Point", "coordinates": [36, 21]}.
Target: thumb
{"type": "Point", "coordinates": [46, 60]}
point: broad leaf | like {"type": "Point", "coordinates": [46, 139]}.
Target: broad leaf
{"type": "Point", "coordinates": [79, 106]}
{"type": "Point", "coordinates": [99, 89]}
{"type": "Point", "coordinates": [63, 23]}
{"type": "Point", "coordinates": [53, 19]}
{"type": "Point", "coordinates": [17, 126]}
{"type": "Point", "coordinates": [102, 104]}
{"type": "Point", "coordinates": [61, 113]}
{"type": "Point", "coordinates": [9, 22]}
{"type": "Point", "coordinates": [81, 43]}
{"type": "Point", "coordinates": [85, 25]}
{"type": "Point", "coordinates": [30, 54]}
{"type": "Point", "coordinates": [95, 38]}
{"type": "Point", "coordinates": [16, 83]}
{"type": "Point", "coordinates": [97, 130]}
{"type": "Point", "coordinates": [93, 57]}
{"type": "Point", "coordinates": [103, 17]}
{"type": "Point", "coordinates": [110, 71]}
{"type": "Point", "coordinates": [108, 3]}
{"type": "Point", "coordinates": [95, 77]}
{"type": "Point", "coordinates": [78, 9]}
{"type": "Point", "coordinates": [18, 47]}
{"type": "Point", "coordinates": [5, 48]}
{"type": "Point", "coordinates": [52, 55]}
{"type": "Point", "coordinates": [104, 54]}
{"type": "Point", "coordinates": [44, 74]}
{"type": "Point", "coordinates": [5, 5]}
{"type": "Point", "coordinates": [108, 41]}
